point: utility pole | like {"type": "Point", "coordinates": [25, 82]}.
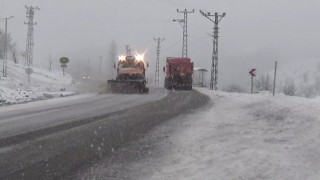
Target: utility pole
{"type": "Point", "coordinates": [50, 62]}
{"type": "Point", "coordinates": [30, 42]}
{"type": "Point", "coordinates": [214, 67]}
{"type": "Point", "coordinates": [251, 84]}
{"type": "Point", "coordinates": [252, 72]}
{"type": "Point", "coordinates": [5, 57]}
{"type": "Point", "coordinates": [158, 40]}
{"type": "Point", "coordinates": [184, 21]}
{"type": "Point", "coordinates": [128, 50]}
{"type": "Point", "coordinates": [274, 80]}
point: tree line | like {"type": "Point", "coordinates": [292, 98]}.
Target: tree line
{"type": "Point", "coordinates": [12, 51]}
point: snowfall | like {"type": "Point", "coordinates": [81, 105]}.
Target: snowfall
{"type": "Point", "coordinates": [237, 136]}
{"type": "Point", "coordinates": [14, 88]}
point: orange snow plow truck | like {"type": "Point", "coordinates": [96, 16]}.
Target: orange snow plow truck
{"type": "Point", "coordinates": [131, 75]}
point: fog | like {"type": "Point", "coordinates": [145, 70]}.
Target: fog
{"type": "Point", "coordinates": [253, 34]}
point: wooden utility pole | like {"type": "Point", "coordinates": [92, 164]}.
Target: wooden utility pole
{"type": "Point", "coordinates": [274, 80]}
{"type": "Point", "coordinates": [251, 84]}
{"type": "Point", "coordinates": [253, 74]}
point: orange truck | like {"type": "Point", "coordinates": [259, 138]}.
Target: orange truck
{"type": "Point", "coordinates": [131, 75]}
{"type": "Point", "coordinates": [179, 73]}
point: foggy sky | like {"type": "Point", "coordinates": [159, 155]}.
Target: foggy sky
{"type": "Point", "coordinates": [253, 34]}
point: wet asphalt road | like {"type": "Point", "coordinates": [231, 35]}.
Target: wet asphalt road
{"type": "Point", "coordinates": [59, 151]}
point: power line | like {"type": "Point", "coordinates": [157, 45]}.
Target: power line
{"type": "Point", "coordinates": [128, 50]}
{"type": "Point", "coordinates": [214, 67]}
{"type": "Point", "coordinates": [158, 40]}
{"type": "Point", "coordinates": [185, 30]}
{"type": "Point", "coordinates": [30, 42]}
{"type": "Point", "coordinates": [174, 4]}
{"type": "Point", "coordinates": [165, 23]}
{"type": "Point", "coordinates": [172, 45]}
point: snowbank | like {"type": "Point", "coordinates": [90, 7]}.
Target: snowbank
{"type": "Point", "coordinates": [43, 84]}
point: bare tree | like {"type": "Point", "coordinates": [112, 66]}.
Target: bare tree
{"type": "Point", "coordinates": [2, 43]}
{"type": "Point", "coordinates": [263, 83]}
{"type": "Point", "coordinates": [2, 40]}
{"type": "Point", "coordinates": [14, 53]}
{"type": "Point", "coordinates": [112, 54]}
{"type": "Point", "coordinates": [50, 61]}
{"type": "Point", "coordinates": [23, 55]}
{"type": "Point", "coordinates": [308, 91]}
{"type": "Point", "coordinates": [233, 88]}
{"type": "Point", "coordinates": [289, 88]}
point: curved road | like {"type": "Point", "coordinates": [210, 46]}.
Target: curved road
{"type": "Point", "coordinates": [53, 140]}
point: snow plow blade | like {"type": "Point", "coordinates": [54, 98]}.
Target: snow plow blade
{"type": "Point", "coordinates": [127, 87]}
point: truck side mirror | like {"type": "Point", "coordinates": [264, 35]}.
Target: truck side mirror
{"type": "Point", "coordinates": [114, 65]}
{"type": "Point", "coordinates": [164, 69]}
{"type": "Point", "coordinates": [147, 65]}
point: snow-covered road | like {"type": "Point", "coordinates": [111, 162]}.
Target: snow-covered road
{"type": "Point", "coordinates": [52, 139]}
{"type": "Point", "coordinates": [23, 118]}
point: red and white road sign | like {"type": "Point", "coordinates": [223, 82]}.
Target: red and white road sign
{"type": "Point", "coordinates": [252, 72]}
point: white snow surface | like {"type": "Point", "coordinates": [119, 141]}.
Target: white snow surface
{"type": "Point", "coordinates": [242, 136]}
{"type": "Point", "coordinates": [14, 88]}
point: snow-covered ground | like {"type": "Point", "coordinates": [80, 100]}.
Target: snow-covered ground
{"type": "Point", "coordinates": [14, 88]}
{"type": "Point", "coordinates": [241, 136]}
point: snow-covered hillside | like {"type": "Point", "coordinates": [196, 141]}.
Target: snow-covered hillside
{"type": "Point", "coordinates": [14, 88]}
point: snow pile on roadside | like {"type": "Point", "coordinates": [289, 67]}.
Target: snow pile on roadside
{"type": "Point", "coordinates": [43, 84]}
{"type": "Point", "coordinates": [244, 136]}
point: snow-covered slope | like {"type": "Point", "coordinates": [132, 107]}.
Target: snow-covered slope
{"type": "Point", "coordinates": [14, 88]}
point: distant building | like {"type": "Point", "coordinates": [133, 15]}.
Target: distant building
{"type": "Point", "coordinates": [199, 77]}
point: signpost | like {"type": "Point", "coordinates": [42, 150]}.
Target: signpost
{"type": "Point", "coordinates": [29, 71]}
{"type": "Point", "coordinates": [252, 72]}
{"type": "Point", "coordinates": [64, 61]}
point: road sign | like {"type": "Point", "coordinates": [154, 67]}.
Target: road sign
{"type": "Point", "coordinates": [29, 71]}
{"type": "Point", "coordinates": [64, 60]}
{"type": "Point", "coordinates": [252, 72]}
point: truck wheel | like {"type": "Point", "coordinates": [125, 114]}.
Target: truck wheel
{"type": "Point", "coordinates": [144, 90]}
